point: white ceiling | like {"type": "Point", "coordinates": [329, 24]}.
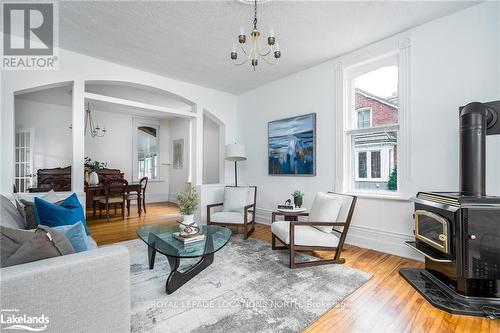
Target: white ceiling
{"type": "Point", "coordinates": [191, 40]}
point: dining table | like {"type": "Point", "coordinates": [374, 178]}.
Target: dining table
{"type": "Point", "coordinates": [98, 189]}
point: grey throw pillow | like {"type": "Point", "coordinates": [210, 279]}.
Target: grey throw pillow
{"type": "Point", "coordinates": [9, 216]}
{"type": "Point", "coordinates": [46, 243]}
{"type": "Point", "coordinates": [11, 240]}
{"type": "Point", "coordinates": [28, 213]}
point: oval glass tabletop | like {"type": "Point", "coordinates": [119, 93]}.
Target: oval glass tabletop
{"type": "Point", "coordinates": [161, 238]}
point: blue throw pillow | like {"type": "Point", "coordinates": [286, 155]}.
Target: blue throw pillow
{"type": "Point", "coordinates": [66, 212]}
{"type": "Point", "coordinates": [76, 235]}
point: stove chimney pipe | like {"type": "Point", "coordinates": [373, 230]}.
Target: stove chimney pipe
{"type": "Point", "coordinates": [473, 125]}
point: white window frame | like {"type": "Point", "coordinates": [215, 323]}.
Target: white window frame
{"type": "Point", "coordinates": [346, 68]}
{"type": "Point", "coordinates": [362, 109]}
{"type": "Point", "coordinates": [137, 122]}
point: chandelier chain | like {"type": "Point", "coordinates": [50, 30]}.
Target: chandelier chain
{"type": "Point", "coordinates": [255, 15]}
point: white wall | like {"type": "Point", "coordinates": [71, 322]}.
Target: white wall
{"type": "Point", "coordinates": [211, 151]}
{"type": "Point", "coordinates": [52, 148]}
{"type": "Point", "coordinates": [454, 60]}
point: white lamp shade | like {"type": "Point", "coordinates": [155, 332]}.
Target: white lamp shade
{"type": "Point", "coordinates": [235, 152]}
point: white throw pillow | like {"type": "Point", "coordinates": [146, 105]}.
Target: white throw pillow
{"type": "Point", "coordinates": [235, 199]}
{"type": "Point", "coordinates": [325, 208]}
{"type": "Point", "coordinates": [51, 196]}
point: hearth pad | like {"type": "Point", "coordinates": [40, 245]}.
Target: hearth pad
{"type": "Point", "coordinates": [445, 298]}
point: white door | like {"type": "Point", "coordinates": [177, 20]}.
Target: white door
{"type": "Point", "coordinates": [24, 159]}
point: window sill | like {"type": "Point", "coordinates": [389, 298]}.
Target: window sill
{"type": "Point", "coordinates": [380, 196]}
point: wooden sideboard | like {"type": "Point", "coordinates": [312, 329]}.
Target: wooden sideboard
{"type": "Point", "coordinates": [57, 179]}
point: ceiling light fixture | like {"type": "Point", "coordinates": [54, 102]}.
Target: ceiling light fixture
{"type": "Point", "coordinates": [255, 51]}
{"type": "Point", "coordinates": [94, 131]}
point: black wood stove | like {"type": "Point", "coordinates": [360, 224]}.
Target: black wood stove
{"type": "Point", "coordinates": [459, 233]}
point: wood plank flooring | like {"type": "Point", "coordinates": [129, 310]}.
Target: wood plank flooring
{"type": "Point", "coordinates": [386, 303]}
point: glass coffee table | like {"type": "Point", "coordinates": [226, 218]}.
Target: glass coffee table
{"type": "Point", "coordinates": [159, 238]}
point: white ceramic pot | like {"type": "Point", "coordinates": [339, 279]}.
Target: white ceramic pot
{"type": "Point", "coordinates": [93, 178]}
{"type": "Point", "coordinates": [186, 219]}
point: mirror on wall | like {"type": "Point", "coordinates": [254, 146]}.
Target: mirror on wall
{"type": "Point", "coordinates": [43, 139]}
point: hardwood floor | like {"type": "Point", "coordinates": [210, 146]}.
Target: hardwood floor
{"type": "Point", "coordinates": [118, 230]}
{"type": "Point", "coordinates": [386, 303]}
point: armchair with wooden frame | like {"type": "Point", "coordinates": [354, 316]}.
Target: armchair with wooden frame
{"type": "Point", "coordinates": [238, 209]}
{"type": "Point", "coordinates": [326, 229]}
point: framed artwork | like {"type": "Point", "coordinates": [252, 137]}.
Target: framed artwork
{"type": "Point", "coordinates": [178, 151]}
{"type": "Point", "coordinates": [292, 146]}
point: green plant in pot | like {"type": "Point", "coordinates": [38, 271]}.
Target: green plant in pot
{"type": "Point", "coordinates": [188, 202]}
{"type": "Point", "coordinates": [91, 168]}
{"type": "Point", "coordinates": [297, 198]}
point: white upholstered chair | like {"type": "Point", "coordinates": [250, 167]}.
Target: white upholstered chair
{"type": "Point", "coordinates": [238, 209]}
{"type": "Point", "coordinates": [326, 229]}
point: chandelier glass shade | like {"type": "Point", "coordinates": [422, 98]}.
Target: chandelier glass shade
{"type": "Point", "coordinates": [254, 52]}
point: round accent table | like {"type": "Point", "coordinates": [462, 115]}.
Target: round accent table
{"type": "Point", "coordinates": [289, 214]}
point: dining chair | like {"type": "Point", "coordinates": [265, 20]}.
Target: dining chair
{"type": "Point", "coordinates": [115, 193]}
{"type": "Point", "coordinates": [135, 196]}
{"type": "Point", "coordinates": [95, 198]}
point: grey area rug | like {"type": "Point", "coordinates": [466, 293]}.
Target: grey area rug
{"type": "Point", "coordinates": [248, 288]}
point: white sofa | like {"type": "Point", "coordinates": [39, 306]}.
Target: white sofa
{"type": "Point", "coordinates": [82, 292]}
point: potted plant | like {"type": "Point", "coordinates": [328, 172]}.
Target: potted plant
{"type": "Point", "coordinates": [297, 198]}
{"type": "Point", "coordinates": [91, 167]}
{"type": "Point", "coordinates": [188, 202]}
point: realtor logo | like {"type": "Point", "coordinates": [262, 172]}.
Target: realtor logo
{"type": "Point", "coordinates": [30, 36]}
{"type": "Point", "coordinates": [13, 319]}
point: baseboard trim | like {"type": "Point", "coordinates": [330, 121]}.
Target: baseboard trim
{"type": "Point", "coordinates": [157, 197]}
{"type": "Point", "coordinates": [365, 237]}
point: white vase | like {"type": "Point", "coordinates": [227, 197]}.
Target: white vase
{"type": "Point", "coordinates": [93, 178]}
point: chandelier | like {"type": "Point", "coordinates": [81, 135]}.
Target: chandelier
{"type": "Point", "coordinates": [94, 131]}
{"type": "Point", "coordinates": [255, 52]}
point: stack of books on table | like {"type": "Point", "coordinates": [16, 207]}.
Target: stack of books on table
{"type": "Point", "coordinates": [188, 239]}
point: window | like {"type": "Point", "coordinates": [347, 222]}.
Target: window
{"type": "Point", "coordinates": [372, 126]}
{"type": "Point", "coordinates": [362, 165]}
{"type": "Point", "coordinates": [364, 117]}
{"type": "Point", "coordinates": [146, 152]}
{"type": "Point", "coordinates": [375, 164]}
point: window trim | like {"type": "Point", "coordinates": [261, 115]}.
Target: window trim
{"type": "Point", "coordinates": [365, 108]}
{"type": "Point", "coordinates": [150, 123]}
{"type": "Point", "coordinates": [400, 46]}
{"type": "Point", "coordinates": [351, 128]}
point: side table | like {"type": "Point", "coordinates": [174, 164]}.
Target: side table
{"type": "Point", "coordinates": [292, 215]}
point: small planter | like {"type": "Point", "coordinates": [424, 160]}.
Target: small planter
{"type": "Point", "coordinates": [188, 219]}
{"type": "Point", "coordinates": [297, 201]}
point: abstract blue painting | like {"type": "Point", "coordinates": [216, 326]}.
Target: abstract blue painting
{"type": "Point", "coordinates": [292, 146]}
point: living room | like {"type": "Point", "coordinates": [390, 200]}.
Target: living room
{"type": "Point", "coordinates": [249, 165]}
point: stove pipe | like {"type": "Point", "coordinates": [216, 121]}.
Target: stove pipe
{"type": "Point", "coordinates": [473, 125]}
